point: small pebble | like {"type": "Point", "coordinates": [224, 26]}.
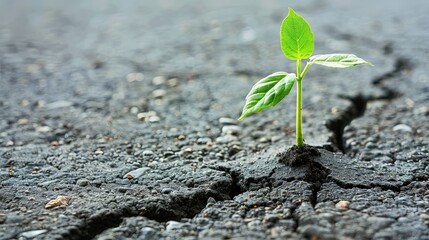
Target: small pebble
{"type": "Point", "coordinates": [99, 152]}
{"type": "Point", "coordinates": [212, 155]}
{"type": "Point", "coordinates": [211, 201]}
{"type": "Point", "coordinates": [58, 104]}
{"type": "Point", "coordinates": [60, 201]}
{"type": "Point", "coordinates": [166, 190]}
{"type": "Point", "coordinates": [3, 218]}
{"type": "Point", "coordinates": [227, 121]}
{"type": "Point", "coordinates": [234, 149]}
{"type": "Point", "coordinates": [154, 119]}
{"type": "Point", "coordinates": [158, 93]}
{"type": "Point", "coordinates": [168, 153]}
{"type": "Point", "coordinates": [135, 77]}
{"type": "Point", "coordinates": [23, 121]}
{"type": "Point", "coordinates": [136, 173]}
{"type": "Point", "coordinates": [173, 82]}
{"type": "Point", "coordinates": [402, 128]}
{"type": "Point", "coordinates": [370, 145]}
{"type": "Point", "coordinates": [147, 233]}
{"type": "Point", "coordinates": [181, 137]}
{"type": "Point", "coordinates": [342, 204]}
{"type": "Point", "coordinates": [148, 153]}
{"type": "Point", "coordinates": [187, 150]}
{"type": "Point", "coordinates": [144, 116]}
{"type": "Point", "coordinates": [204, 140]}
{"type": "Point", "coordinates": [82, 182]}
{"type": "Point", "coordinates": [159, 80]}
{"type": "Point", "coordinates": [173, 225]}
{"type": "Point", "coordinates": [231, 129]}
{"type": "Point", "coordinates": [226, 139]}
{"type": "Point", "coordinates": [32, 234]}
{"type": "Point", "coordinates": [43, 129]}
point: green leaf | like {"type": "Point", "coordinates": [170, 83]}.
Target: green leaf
{"type": "Point", "coordinates": [337, 60]}
{"type": "Point", "coordinates": [267, 92]}
{"type": "Point", "coordinates": [296, 37]}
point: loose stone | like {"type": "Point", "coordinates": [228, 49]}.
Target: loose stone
{"type": "Point", "coordinates": [204, 140]}
{"type": "Point", "coordinates": [158, 93]}
{"type": "Point", "coordinates": [402, 128]}
{"type": "Point", "coordinates": [227, 121]}
{"type": "Point", "coordinates": [147, 233]}
{"type": "Point", "coordinates": [148, 153]}
{"type": "Point", "coordinates": [166, 190]}
{"type": "Point", "coordinates": [231, 129]}
{"type": "Point", "coordinates": [226, 139]}
{"type": "Point", "coordinates": [32, 234]}
{"type": "Point", "coordinates": [342, 204]}
{"type": "Point", "coordinates": [158, 80]}
{"type": "Point", "coordinates": [60, 201]}
{"type": "Point", "coordinates": [136, 173]}
{"type": "Point", "coordinates": [144, 116]}
{"type": "Point", "coordinates": [173, 225]}
{"type": "Point", "coordinates": [82, 182]}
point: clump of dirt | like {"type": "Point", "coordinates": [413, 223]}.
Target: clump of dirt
{"type": "Point", "coordinates": [296, 156]}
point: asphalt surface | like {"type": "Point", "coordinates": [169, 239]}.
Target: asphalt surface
{"type": "Point", "coordinates": [117, 121]}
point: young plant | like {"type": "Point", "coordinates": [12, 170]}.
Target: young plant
{"type": "Point", "coordinates": [297, 43]}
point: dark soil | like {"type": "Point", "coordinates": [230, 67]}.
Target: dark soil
{"type": "Point", "coordinates": [296, 156]}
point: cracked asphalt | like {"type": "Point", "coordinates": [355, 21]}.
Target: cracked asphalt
{"type": "Point", "coordinates": [117, 121]}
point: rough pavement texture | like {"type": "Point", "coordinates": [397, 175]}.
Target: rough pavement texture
{"type": "Point", "coordinates": [127, 110]}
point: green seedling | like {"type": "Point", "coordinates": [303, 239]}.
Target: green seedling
{"type": "Point", "coordinates": [297, 43]}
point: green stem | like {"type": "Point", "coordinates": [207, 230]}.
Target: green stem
{"type": "Point", "coordinates": [305, 70]}
{"type": "Point", "coordinates": [299, 134]}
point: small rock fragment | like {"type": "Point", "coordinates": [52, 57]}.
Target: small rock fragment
{"type": "Point", "coordinates": [82, 182]}
{"type": "Point", "coordinates": [168, 153]}
{"type": "Point", "coordinates": [43, 129]}
{"type": "Point", "coordinates": [234, 149]}
{"type": "Point", "coordinates": [98, 152]}
{"type": "Point", "coordinates": [173, 225]}
{"type": "Point", "coordinates": [147, 233]}
{"type": "Point", "coordinates": [226, 139]}
{"type": "Point", "coordinates": [158, 80]}
{"type": "Point", "coordinates": [136, 173]}
{"type": "Point", "coordinates": [181, 137]}
{"type": "Point", "coordinates": [144, 116]}
{"type": "Point", "coordinates": [402, 128]}
{"type": "Point", "coordinates": [204, 140]}
{"type": "Point", "coordinates": [58, 104]}
{"type": "Point", "coordinates": [32, 234]}
{"type": "Point", "coordinates": [166, 190]}
{"type": "Point", "coordinates": [22, 121]}
{"type": "Point", "coordinates": [154, 119]}
{"type": "Point", "coordinates": [231, 129]}
{"type": "Point", "coordinates": [3, 218]}
{"type": "Point", "coordinates": [60, 201]}
{"type": "Point", "coordinates": [343, 204]}
{"type": "Point", "coordinates": [173, 82]}
{"type": "Point", "coordinates": [227, 121]}
{"type": "Point", "coordinates": [148, 153]}
{"type": "Point", "coordinates": [135, 77]}
{"type": "Point", "coordinates": [187, 150]}
{"type": "Point", "coordinates": [158, 93]}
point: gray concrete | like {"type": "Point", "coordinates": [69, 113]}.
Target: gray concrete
{"type": "Point", "coordinates": [121, 107]}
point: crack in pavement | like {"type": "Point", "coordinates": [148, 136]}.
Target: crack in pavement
{"type": "Point", "coordinates": [357, 108]}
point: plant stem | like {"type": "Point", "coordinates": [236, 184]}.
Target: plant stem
{"type": "Point", "coordinates": [299, 134]}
